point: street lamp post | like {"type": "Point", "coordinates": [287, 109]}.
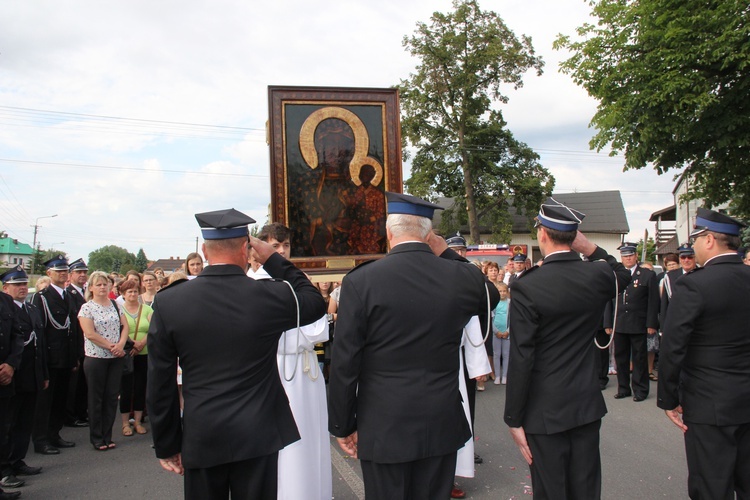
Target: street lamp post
{"type": "Point", "coordinates": [36, 229]}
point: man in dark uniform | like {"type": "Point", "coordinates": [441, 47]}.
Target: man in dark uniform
{"type": "Point", "coordinates": [76, 411]}
{"type": "Point", "coordinates": [30, 378]}
{"type": "Point", "coordinates": [62, 355]}
{"type": "Point", "coordinates": [553, 402]}
{"type": "Point", "coordinates": [637, 313]}
{"type": "Point", "coordinates": [687, 264]}
{"type": "Point", "coordinates": [401, 320]}
{"type": "Point", "coordinates": [519, 267]}
{"type": "Point", "coordinates": [704, 384]}
{"type": "Point", "coordinates": [224, 327]}
{"type": "Point", "coordinates": [11, 350]}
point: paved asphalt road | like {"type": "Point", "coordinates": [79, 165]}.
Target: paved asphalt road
{"type": "Point", "coordinates": [642, 454]}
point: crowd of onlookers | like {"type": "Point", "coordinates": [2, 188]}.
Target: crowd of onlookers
{"type": "Point", "coordinates": [78, 346]}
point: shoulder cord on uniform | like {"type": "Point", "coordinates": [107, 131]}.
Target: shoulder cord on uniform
{"type": "Point", "coordinates": [307, 368]}
{"type": "Point", "coordinates": [667, 286]}
{"type": "Point", "coordinates": [32, 335]}
{"type": "Point", "coordinates": [51, 319]}
{"type": "Point", "coordinates": [489, 318]}
{"type": "Point", "coordinates": [614, 317]}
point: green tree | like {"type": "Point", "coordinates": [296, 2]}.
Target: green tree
{"type": "Point", "coordinates": [141, 262]}
{"type": "Point", "coordinates": [465, 57]}
{"type": "Point", "coordinates": [650, 249]}
{"type": "Point", "coordinates": [672, 80]}
{"type": "Point", "coordinates": [111, 258]}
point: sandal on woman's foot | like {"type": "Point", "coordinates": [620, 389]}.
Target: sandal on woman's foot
{"type": "Point", "coordinates": [111, 445]}
{"type": "Point", "coordinates": [127, 430]}
{"type": "Point", "coordinates": [140, 429]}
{"type": "Point", "coordinates": [100, 447]}
{"type": "Point", "coordinates": [652, 376]}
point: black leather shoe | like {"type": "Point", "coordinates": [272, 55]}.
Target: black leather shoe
{"type": "Point", "coordinates": [11, 481]}
{"type": "Point", "coordinates": [45, 449]}
{"type": "Point", "coordinates": [61, 443]}
{"type": "Point", "coordinates": [638, 399]}
{"type": "Point", "coordinates": [80, 423]}
{"type": "Point", "coordinates": [621, 395]}
{"type": "Point", "coordinates": [21, 469]}
{"type": "Point", "coordinates": [4, 495]}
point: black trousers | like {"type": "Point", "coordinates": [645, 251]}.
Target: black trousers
{"type": "Point", "coordinates": [253, 479]}
{"type": "Point", "coordinates": [718, 461]}
{"type": "Point", "coordinates": [133, 389]}
{"type": "Point", "coordinates": [19, 425]}
{"type": "Point", "coordinates": [77, 405]}
{"type": "Point", "coordinates": [103, 377]}
{"type": "Point", "coordinates": [425, 479]}
{"type": "Point", "coordinates": [5, 403]}
{"type": "Point", "coordinates": [631, 346]}
{"type": "Point", "coordinates": [567, 465]}
{"type": "Point", "coordinates": [602, 357]}
{"type": "Point", "coordinates": [50, 407]}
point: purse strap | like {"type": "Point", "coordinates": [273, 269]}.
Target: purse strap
{"type": "Point", "coordinates": [137, 322]}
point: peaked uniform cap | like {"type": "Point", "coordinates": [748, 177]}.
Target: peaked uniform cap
{"type": "Point", "coordinates": [15, 275]}
{"type": "Point", "coordinates": [555, 215]}
{"type": "Point", "coordinates": [627, 248]}
{"type": "Point", "coordinates": [519, 258]}
{"type": "Point", "coordinates": [223, 224]}
{"type": "Point", "coordinates": [58, 263]}
{"type": "Point", "coordinates": [410, 205]}
{"type": "Point", "coordinates": [685, 249]}
{"type": "Point", "coordinates": [78, 265]}
{"type": "Point", "coordinates": [710, 220]}
{"type": "Point", "coordinates": [456, 241]}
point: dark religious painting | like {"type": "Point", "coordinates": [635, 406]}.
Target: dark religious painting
{"type": "Point", "coordinates": [334, 153]}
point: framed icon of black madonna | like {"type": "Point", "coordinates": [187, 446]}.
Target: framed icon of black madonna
{"type": "Point", "coordinates": [334, 153]}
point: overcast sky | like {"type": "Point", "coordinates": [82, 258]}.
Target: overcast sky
{"type": "Point", "coordinates": [131, 180]}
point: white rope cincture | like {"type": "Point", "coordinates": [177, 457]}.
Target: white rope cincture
{"type": "Point", "coordinates": [296, 354]}
{"type": "Point", "coordinates": [489, 319]}
{"type": "Point", "coordinates": [614, 318]}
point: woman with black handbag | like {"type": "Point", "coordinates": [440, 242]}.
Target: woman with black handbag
{"type": "Point", "coordinates": [105, 330]}
{"type": "Point", "coordinates": [133, 389]}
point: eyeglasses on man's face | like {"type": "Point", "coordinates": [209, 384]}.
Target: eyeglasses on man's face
{"type": "Point", "coordinates": [695, 238]}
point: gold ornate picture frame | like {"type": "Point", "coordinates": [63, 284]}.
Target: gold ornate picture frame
{"type": "Point", "coordinates": [334, 153]}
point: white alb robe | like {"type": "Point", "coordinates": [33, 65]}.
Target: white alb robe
{"type": "Point", "coordinates": [305, 465]}
{"type": "Point", "coordinates": [477, 364]}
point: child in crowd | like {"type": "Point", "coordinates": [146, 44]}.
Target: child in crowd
{"type": "Point", "coordinates": [501, 341]}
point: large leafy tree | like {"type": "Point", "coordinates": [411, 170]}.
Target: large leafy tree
{"type": "Point", "coordinates": [111, 258]}
{"type": "Point", "coordinates": [449, 109]}
{"type": "Point", "coordinates": [672, 80]}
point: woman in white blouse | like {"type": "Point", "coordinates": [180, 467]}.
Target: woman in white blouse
{"type": "Point", "coordinates": [105, 330]}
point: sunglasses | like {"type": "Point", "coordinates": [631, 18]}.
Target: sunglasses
{"type": "Point", "coordinates": [687, 256]}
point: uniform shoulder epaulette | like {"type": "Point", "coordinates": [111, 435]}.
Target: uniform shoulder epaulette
{"type": "Point", "coordinates": [174, 284]}
{"type": "Point", "coordinates": [361, 265]}
{"type": "Point", "coordinates": [695, 270]}
{"type": "Point", "coordinates": [528, 271]}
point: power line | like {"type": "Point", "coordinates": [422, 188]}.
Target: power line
{"type": "Point", "coordinates": [121, 168]}
{"type": "Point", "coordinates": [120, 118]}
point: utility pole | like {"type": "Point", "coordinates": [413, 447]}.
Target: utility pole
{"type": "Point", "coordinates": [36, 229]}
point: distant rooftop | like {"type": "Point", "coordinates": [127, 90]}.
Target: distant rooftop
{"type": "Point", "coordinates": [13, 246]}
{"type": "Point", "coordinates": [604, 211]}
